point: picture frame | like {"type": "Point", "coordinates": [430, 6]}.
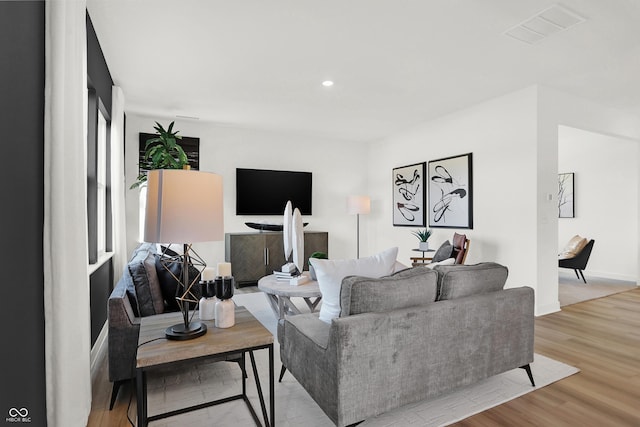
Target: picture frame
{"type": "Point", "coordinates": [409, 195]}
{"type": "Point", "coordinates": [566, 201]}
{"type": "Point", "coordinates": [190, 145]}
{"type": "Point", "coordinates": [450, 188]}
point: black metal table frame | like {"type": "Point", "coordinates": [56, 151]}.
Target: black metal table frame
{"type": "Point", "coordinates": [141, 389]}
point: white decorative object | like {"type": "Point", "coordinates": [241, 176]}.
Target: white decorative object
{"type": "Point", "coordinates": [297, 239]}
{"type": "Point", "coordinates": [286, 230]}
{"type": "Point", "coordinates": [207, 310]}
{"type": "Point", "coordinates": [331, 272]}
{"type": "Point", "coordinates": [224, 269]}
{"type": "Point", "coordinates": [300, 280]}
{"type": "Point", "coordinates": [225, 313]}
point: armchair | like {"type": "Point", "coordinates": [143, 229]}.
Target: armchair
{"type": "Point", "coordinates": [579, 261]}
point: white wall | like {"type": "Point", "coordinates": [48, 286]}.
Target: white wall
{"type": "Point", "coordinates": [606, 199]}
{"type": "Point", "coordinates": [338, 167]}
{"type": "Point", "coordinates": [502, 136]}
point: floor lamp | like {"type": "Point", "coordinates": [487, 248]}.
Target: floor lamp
{"type": "Point", "coordinates": [184, 206]}
{"type": "Point", "coordinates": [358, 205]}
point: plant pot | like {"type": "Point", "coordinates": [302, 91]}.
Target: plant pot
{"type": "Point", "coordinates": [423, 246]}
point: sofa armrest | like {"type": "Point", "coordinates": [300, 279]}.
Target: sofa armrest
{"type": "Point", "coordinates": [124, 329]}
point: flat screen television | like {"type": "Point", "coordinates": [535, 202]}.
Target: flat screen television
{"type": "Point", "coordinates": [266, 192]}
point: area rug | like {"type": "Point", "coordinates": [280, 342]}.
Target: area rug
{"type": "Point", "coordinates": [172, 389]}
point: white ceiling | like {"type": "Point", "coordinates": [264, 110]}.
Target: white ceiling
{"type": "Point", "coordinates": [395, 63]}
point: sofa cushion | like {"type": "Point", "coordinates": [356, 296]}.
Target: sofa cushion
{"type": "Point", "coordinates": [443, 252]}
{"type": "Point", "coordinates": [407, 288]}
{"type": "Point", "coordinates": [142, 269]}
{"type": "Point", "coordinates": [457, 281]}
{"type": "Point", "coordinates": [573, 247]}
{"type": "Point", "coordinates": [331, 272]}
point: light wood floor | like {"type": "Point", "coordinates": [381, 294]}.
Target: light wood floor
{"type": "Point", "coordinates": [601, 337]}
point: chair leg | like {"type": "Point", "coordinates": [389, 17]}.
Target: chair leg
{"type": "Point", "coordinates": [575, 270]}
{"type": "Point", "coordinates": [527, 368]}
{"type": "Point", "coordinates": [114, 393]}
{"type": "Point", "coordinates": [582, 274]}
{"type": "Point", "coordinates": [282, 371]}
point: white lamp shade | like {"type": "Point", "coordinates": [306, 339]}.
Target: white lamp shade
{"type": "Point", "coordinates": [358, 205]}
{"type": "Point", "coordinates": [183, 206]}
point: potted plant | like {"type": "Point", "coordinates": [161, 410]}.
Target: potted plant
{"type": "Point", "coordinates": [162, 152]}
{"type": "Point", "coordinates": [319, 255]}
{"type": "Point", "coordinates": [423, 237]}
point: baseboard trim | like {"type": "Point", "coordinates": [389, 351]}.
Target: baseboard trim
{"type": "Point", "coordinates": [99, 348]}
{"type": "Point", "coordinates": [547, 309]}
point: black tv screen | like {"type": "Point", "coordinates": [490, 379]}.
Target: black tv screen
{"type": "Point", "coordinates": [266, 192]}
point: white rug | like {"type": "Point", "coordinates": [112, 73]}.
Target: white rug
{"type": "Point", "coordinates": [168, 390]}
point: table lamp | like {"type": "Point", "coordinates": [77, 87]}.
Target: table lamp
{"type": "Point", "coordinates": [184, 206]}
{"type": "Point", "coordinates": [358, 205]}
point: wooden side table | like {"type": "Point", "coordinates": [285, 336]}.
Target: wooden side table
{"type": "Point", "coordinates": [279, 295]}
{"type": "Point", "coordinates": [246, 336]}
{"type": "Point", "coordinates": [422, 258]}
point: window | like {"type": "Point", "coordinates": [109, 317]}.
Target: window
{"type": "Point", "coordinates": [98, 179]}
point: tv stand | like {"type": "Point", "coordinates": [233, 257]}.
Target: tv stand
{"type": "Point", "coordinates": [254, 255]}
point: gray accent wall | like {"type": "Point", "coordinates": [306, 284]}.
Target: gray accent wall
{"type": "Point", "coordinates": [22, 75]}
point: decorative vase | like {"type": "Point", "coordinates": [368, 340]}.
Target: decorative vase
{"type": "Point", "coordinates": [312, 272]}
{"type": "Point", "coordinates": [423, 246]}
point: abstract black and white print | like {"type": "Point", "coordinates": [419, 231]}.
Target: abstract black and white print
{"type": "Point", "coordinates": [409, 195]}
{"type": "Point", "coordinates": [451, 192]}
{"type": "Point", "coordinates": [565, 196]}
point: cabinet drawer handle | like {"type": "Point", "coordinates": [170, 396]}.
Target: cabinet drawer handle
{"type": "Point", "coordinates": [266, 251]}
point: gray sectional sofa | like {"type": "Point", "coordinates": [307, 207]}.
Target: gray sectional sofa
{"type": "Point", "coordinates": [408, 337]}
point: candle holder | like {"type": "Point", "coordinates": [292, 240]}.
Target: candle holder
{"type": "Point", "coordinates": [225, 308]}
{"type": "Point", "coordinates": [208, 301]}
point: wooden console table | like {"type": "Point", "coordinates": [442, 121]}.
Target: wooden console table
{"type": "Point", "coordinates": [246, 336]}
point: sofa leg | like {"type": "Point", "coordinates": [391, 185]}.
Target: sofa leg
{"type": "Point", "coordinates": [527, 368]}
{"type": "Point", "coordinates": [282, 371]}
{"type": "Point", "coordinates": [114, 393]}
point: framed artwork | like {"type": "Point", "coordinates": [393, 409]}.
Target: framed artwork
{"type": "Point", "coordinates": [566, 204]}
{"type": "Point", "coordinates": [191, 147]}
{"type": "Point", "coordinates": [409, 195]}
{"type": "Point", "coordinates": [451, 192]}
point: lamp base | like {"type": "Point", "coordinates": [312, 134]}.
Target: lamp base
{"type": "Point", "coordinates": [180, 333]}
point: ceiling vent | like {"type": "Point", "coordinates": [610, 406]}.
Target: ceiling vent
{"type": "Point", "coordinates": [550, 21]}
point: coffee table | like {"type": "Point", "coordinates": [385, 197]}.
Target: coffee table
{"type": "Point", "coordinates": [279, 295]}
{"type": "Point", "coordinates": [246, 336]}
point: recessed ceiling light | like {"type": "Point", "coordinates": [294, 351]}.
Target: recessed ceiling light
{"type": "Point", "coordinates": [327, 83]}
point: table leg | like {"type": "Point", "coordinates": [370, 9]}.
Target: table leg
{"type": "Point", "coordinates": [312, 304]}
{"type": "Point", "coordinates": [272, 387]}
{"type": "Point", "coordinates": [259, 387]}
{"type": "Point", "coordinates": [274, 304]}
{"type": "Point", "coordinates": [141, 397]}
{"type": "Point", "coordinates": [289, 306]}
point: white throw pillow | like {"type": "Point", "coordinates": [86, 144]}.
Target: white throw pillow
{"type": "Point", "coordinates": [331, 272]}
{"type": "Point", "coordinates": [448, 261]}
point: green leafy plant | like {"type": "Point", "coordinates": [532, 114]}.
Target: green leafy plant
{"type": "Point", "coordinates": [319, 255]}
{"type": "Point", "coordinates": [422, 235]}
{"type": "Point", "coordinates": [162, 152]}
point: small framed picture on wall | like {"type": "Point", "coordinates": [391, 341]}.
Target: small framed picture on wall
{"type": "Point", "coordinates": [451, 192]}
{"type": "Point", "coordinates": [409, 195]}
{"type": "Point", "coordinates": [566, 206]}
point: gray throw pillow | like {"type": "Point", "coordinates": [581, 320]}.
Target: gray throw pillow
{"type": "Point", "coordinates": [444, 251]}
